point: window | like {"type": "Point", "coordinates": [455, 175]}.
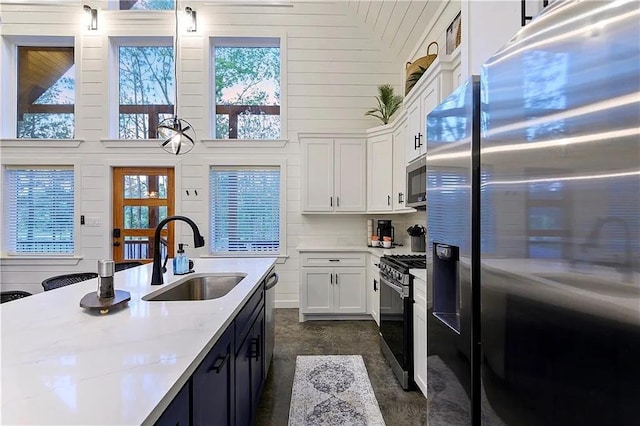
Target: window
{"type": "Point", "coordinates": [146, 89]}
{"type": "Point", "coordinates": [46, 92]}
{"type": "Point", "coordinates": [147, 4]}
{"type": "Point", "coordinates": [247, 88]}
{"type": "Point", "coordinates": [548, 211]}
{"type": "Point", "coordinates": [245, 210]}
{"type": "Point", "coordinates": [40, 208]}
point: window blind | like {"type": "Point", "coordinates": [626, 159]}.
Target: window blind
{"type": "Point", "coordinates": [245, 209]}
{"type": "Point", "coordinates": [40, 208]}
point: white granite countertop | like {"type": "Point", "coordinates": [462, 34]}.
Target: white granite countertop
{"type": "Point", "coordinates": [64, 365]}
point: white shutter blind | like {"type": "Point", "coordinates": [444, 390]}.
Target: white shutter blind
{"type": "Point", "coordinates": [40, 209]}
{"type": "Point", "coordinates": [448, 203]}
{"type": "Point", "coordinates": [245, 209]}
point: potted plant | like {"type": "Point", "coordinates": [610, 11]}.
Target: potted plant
{"type": "Point", "coordinates": [388, 103]}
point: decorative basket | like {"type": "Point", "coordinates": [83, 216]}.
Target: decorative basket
{"type": "Point", "coordinates": [416, 68]}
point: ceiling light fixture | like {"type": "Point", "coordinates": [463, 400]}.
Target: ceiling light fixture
{"type": "Point", "coordinates": [176, 135]}
{"type": "Point", "coordinates": [192, 22]}
{"type": "Point", "coordinates": [91, 17]}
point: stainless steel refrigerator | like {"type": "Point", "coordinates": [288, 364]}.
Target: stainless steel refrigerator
{"type": "Point", "coordinates": [533, 221]}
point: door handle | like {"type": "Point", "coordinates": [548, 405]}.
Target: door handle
{"type": "Point", "coordinates": [388, 200]}
{"type": "Point", "coordinates": [331, 278]}
{"type": "Point", "coordinates": [254, 348]}
{"type": "Point", "coordinates": [400, 197]}
{"type": "Point", "coordinates": [218, 364]}
{"type": "Point", "coordinates": [419, 139]}
{"type": "Point", "coordinates": [331, 201]}
{"type": "Point", "coordinates": [337, 201]}
{"type": "Point", "coordinates": [375, 285]}
{"type": "Point", "coordinates": [336, 278]}
{"type": "Point", "coordinates": [416, 141]}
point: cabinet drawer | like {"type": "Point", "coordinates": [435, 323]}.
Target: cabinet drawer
{"type": "Point", "coordinates": [243, 320]}
{"type": "Point", "coordinates": [333, 259]}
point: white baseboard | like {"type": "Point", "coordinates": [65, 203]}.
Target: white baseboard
{"type": "Point", "coordinates": [287, 304]}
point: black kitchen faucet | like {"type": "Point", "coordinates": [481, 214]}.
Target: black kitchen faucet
{"type": "Point", "coordinates": [198, 241]}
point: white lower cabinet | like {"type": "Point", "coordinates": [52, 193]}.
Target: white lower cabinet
{"type": "Point", "coordinates": [420, 334]}
{"type": "Point", "coordinates": [337, 290]}
{"type": "Point", "coordinates": [373, 287]}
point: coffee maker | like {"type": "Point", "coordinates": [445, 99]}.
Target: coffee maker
{"type": "Point", "coordinates": [385, 230]}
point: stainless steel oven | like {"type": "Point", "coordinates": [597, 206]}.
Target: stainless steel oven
{"type": "Point", "coordinates": [417, 183]}
{"type": "Point", "coordinates": [396, 314]}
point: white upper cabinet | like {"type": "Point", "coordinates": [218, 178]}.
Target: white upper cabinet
{"type": "Point", "coordinates": [333, 173]}
{"type": "Point", "coordinates": [380, 171]}
{"type": "Point", "coordinates": [399, 195]}
{"type": "Point", "coordinates": [386, 162]}
{"type": "Point", "coordinates": [434, 85]}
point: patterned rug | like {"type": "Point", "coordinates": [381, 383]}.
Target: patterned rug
{"type": "Point", "coordinates": [333, 390]}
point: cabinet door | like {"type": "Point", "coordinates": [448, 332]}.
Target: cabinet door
{"type": "Point", "coordinates": [399, 168]}
{"type": "Point", "coordinates": [213, 384]}
{"type": "Point", "coordinates": [380, 173]}
{"type": "Point", "coordinates": [420, 335]}
{"type": "Point", "coordinates": [429, 99]}
{"type": "Point", "coordinates": [317, 175]}
{"type": "Point", "coordinates": [177, 413]}
{"type": "Point", "coordinates": [257, 361]}
{"type": "Point", "coordinates": [350, 175]}
{"type": "Point", "coordinates": [350, 291]}
{"type": "Point", "coordinates": [414, 130]}
{"type": "Point", "coordinates": [243, 397]}
{"type": "Point", "coordinates": [316, 293]}
{"type": "Point", "coordinates": [249, 372]}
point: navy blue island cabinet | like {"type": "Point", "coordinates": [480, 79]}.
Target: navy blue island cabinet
{"type": "Point", "coordinates": [226, 387]}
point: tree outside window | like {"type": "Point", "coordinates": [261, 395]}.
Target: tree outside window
{"type": "Point", "coordinates": [147, 4]}
{"type": "Point", "coordinates": [146, 89]}
{"type": "Point", "coordinates": [46, 92]}
{"type": "Point", "coordinates": [247, 88]}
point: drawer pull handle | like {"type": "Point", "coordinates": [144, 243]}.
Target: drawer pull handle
{"type": "Point", "coordinates": [218, 364]}
{"type": "Point", "coordinates": [254, 349]}
{"type": "Point", "coordinates": [334, 260]}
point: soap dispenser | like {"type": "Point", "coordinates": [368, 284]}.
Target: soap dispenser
{"type": "Point", "coordinates": [180, 262]}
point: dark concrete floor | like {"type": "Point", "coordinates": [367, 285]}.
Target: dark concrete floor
{"type": "Point", "coordinates": [293, 338]}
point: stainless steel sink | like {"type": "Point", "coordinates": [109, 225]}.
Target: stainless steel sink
{"type": "Point", "coordinates": [594, 284]}
{"type": "Point", "coordinates": [202, 287]}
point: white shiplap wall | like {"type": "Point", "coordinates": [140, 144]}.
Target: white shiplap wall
{"type": "Point", "coordinates": [332, 65]}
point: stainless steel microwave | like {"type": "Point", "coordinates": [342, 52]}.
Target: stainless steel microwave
{"type": "Point", "coordinates": [417, 183]}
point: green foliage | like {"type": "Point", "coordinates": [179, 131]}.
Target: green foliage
{"type": "Point", "coordinates": [388, 104]}
{"type": "Point", "coordinates": [248, 76]}
{"type": "Point", "coordinates": [415, 76]}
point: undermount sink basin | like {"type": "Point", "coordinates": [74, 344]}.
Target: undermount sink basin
{"type": "Point", "coordinates": [202, 287]}
{"type": "Point", "coordinates": [594, 284]}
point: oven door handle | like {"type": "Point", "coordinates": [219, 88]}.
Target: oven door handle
{"type": "Point", "coordinates": [397, 288]}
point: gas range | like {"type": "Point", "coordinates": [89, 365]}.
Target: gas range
{"type": "Point", "coordinates": [397, 266]}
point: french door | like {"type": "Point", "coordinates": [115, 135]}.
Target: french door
{"type": "Point", "coordinates": [142, 198]}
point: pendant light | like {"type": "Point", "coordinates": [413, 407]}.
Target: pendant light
{"type": "Point", "coordinates": [176, 135]}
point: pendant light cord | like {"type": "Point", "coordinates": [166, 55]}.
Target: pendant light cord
{"type": "Point", "coordinates": [175, 65]}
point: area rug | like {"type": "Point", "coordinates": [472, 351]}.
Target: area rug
{"type": "Point", "coordinates": [333, 390]}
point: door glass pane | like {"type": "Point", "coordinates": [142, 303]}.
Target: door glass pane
{"type": "Point", "coordinates": [145, 187]}
{"type": "Point", "coordinates": [546, 218]}
{"type": "Point", "coordinates": [143, 217]}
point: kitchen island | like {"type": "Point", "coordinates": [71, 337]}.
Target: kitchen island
{"type": "Point", "coordinates": [62, 364]}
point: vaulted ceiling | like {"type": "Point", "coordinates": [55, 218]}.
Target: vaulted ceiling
{"type": "Point", "coordinates": [397, 24]}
